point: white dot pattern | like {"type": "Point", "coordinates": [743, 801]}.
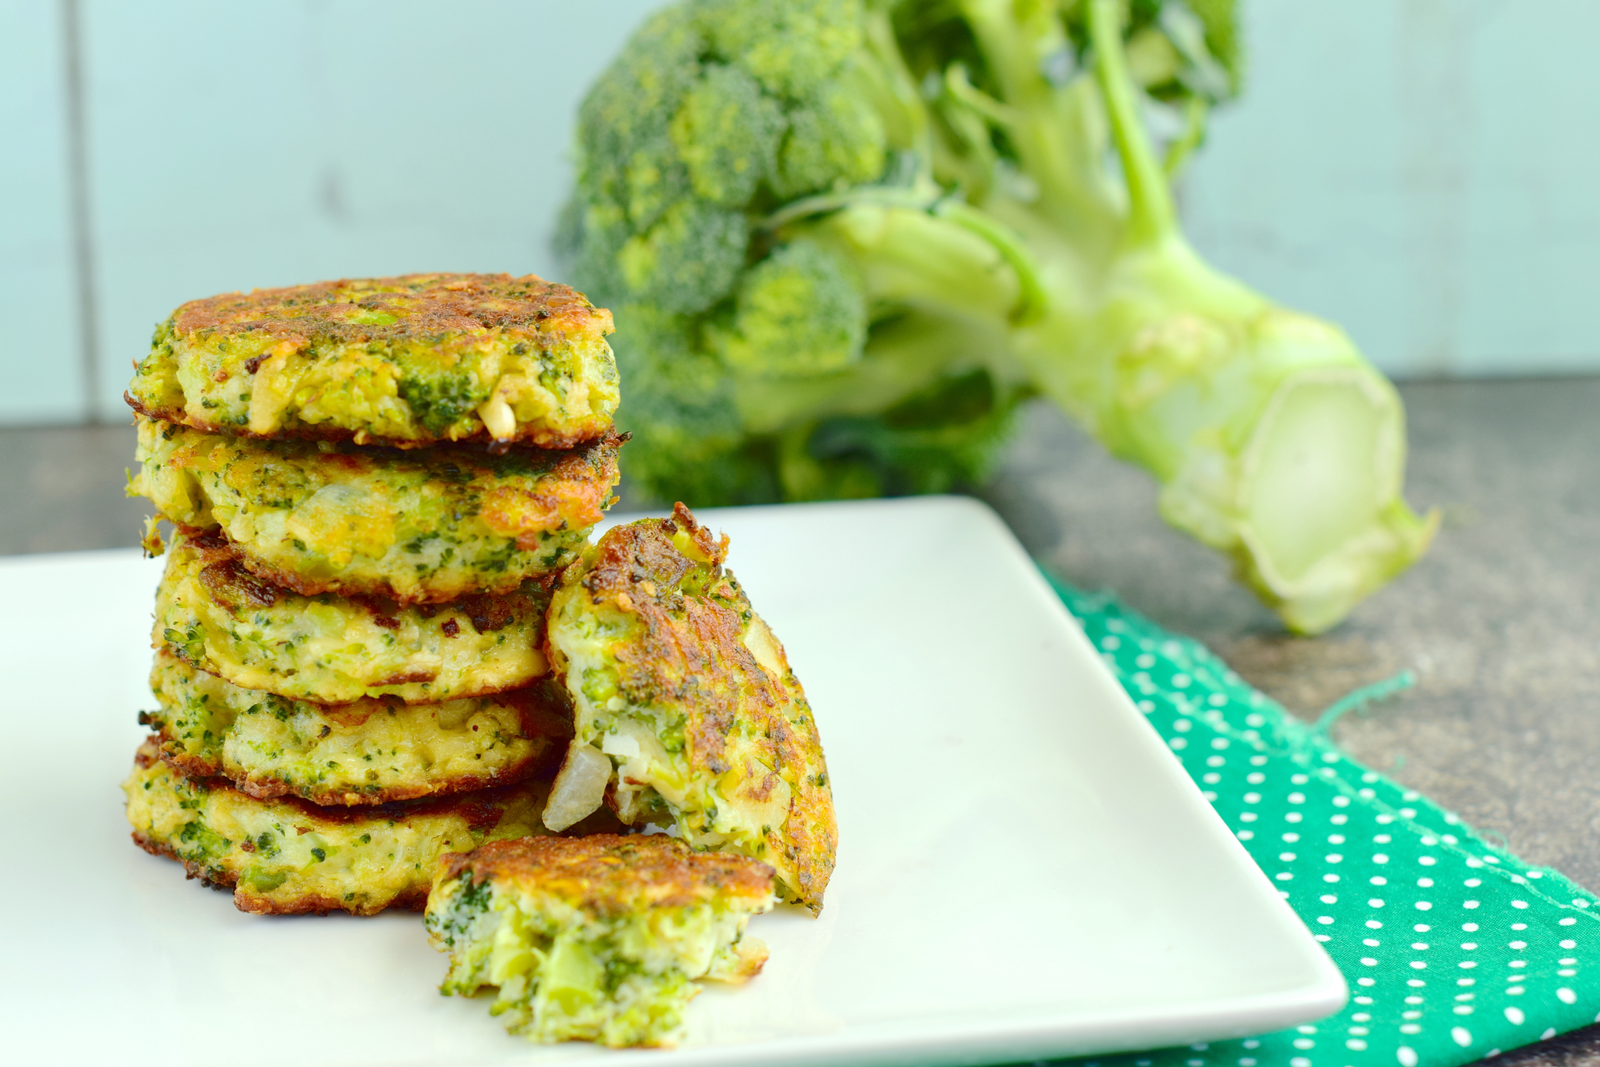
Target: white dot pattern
{"type": "Point", "coordinates": [1454, 949]}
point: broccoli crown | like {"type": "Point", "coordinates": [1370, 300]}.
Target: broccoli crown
{"type": "Point", "coordinates": [1177, 48]}
{"type": "Point", "coordinates": [688, 439]}
{"type": "Point", "coordinates": [944, 438]}
{"type": "Point", "coordinates": [715, 112]}
{"type": "Point", "coordinates": [721, 115]}
{"type": "Point", "coordinates": [799, 311]}
{"type": "Point", "coordinates": [844, 238]}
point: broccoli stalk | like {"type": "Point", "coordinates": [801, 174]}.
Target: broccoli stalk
{"type": "Point", "coordinates": [843, 242]}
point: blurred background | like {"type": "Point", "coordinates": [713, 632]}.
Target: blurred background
{"type": "Point", "coordinates": [1414, 170]}
{"type": "Point", "coordinates": [1419, 171]}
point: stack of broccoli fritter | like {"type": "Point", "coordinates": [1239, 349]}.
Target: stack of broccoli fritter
{"type": "Point", "coordinates": [383, 639]}
{"type": "Point", "coordinates": [375, 485]}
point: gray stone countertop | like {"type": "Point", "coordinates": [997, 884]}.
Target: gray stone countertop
{"type": "Point", "coordinates": [1500, 621]}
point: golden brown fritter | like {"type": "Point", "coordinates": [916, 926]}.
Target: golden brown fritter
{"type": "Point", "coordinates": [406, 361]}
{"type": "Point", "coordinates": [596, 938]}
{"type": "Point", "coordinates": [368, 752]}
{"type": "Point", "coordinates": [215, 614]}
{"type": "Point", "coordinates": [419, 526]}
{"type": "Point", "coordinates": [286, 856]}
{"type": "Point", "coordinates": [681, 684]}
{"type": "Point", "coordinates": [611, 875]}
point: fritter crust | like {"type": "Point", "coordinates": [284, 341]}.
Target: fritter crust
{"type": "Point", "coordinates": [599, 938]}
{"type": "Point", "coordinates": [286, 857]}
{"type": "Point", "coordinates": [407, 361]}
{"type": "Point", "coordinates": [612, 875]}
{"type": "Point", "coordinates": [212, 612]}
{"type": "Point", "coordinates": [368, 752]}
{"type": "Point", "coordinates": [675, 677]}
{"type": "Point", "coordinates": [411, 526]}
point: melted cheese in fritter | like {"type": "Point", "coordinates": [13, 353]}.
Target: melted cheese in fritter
{"type": "Point", "coordinates": [369, 752]}
{"type": "Point", "coordinates": [216, 615]}
{"type": "Point", "coordinates": [286, 856]}
{"type": "Point", "coordinates": [596, 938]}
{"type": "Point", "coordinates": [408, 360]}
{"type": "Point", "coordinates": [414, 526]}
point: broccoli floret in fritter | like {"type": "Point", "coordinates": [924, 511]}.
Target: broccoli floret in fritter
{"type": "Point", "coordinates": [410, 361]}
{"type": "Point", "coordinates": [597, 938]}
{"type": "Point", "coordinates": [681, 685]}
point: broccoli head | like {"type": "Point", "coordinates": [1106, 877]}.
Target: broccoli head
{"type": "Point", "coordinates": [844, 239]}
{"type": "Point", "coordinates": [800, 311]}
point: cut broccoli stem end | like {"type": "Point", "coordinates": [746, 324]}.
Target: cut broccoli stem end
{"type": "Point", "coordinates": [1310, 507]}
{"type": "Point", "coordinates": [1273, 439]}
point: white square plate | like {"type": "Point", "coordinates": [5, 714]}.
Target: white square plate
{"type": "Point", "coordinates": [1024, 870]}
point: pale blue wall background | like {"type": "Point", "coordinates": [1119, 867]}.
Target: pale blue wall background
{"type": "Point", "coordinates": [231, 146]}
{"type": "Point", "coordinates": [41, 373]}
{"type": "Point", "coordinates": [1425, 172]}
{"type": "Point", "coordinates": [1422, 171]}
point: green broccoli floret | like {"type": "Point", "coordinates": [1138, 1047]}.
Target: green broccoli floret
{"type": "Point", "coordinates": [799, 311]}
{"type": "Point", "coordinates": [791, 48]}
{"type": "Point", "coordinates": [932, 442]}
{"type": "Point", "coordinates": [844, 239]}
{"type": "Point", "coordinates": [834, 137]}
{"type": "Point", "coordinates": [726, 132]}
{"type": "Point", "coordinates": [686, 429]}
{"type": "Point", "coordinates": [687, 260]}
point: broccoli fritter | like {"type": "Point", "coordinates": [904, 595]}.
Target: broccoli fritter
{"type": "Point", "coordinates": [596, 938]}
{"type": "Point", "coordinates": [413, 526]}
{"type": "Point", "coordinates": [406, 361]}
{"type": "Point", "coordinates": [368, 752]}
{"type": "Point", "coordinates": [215, 614]}
{"type": "Point", "coordinates": [681, 684]}
{"type": "Point", "coordinates": [286, 856]}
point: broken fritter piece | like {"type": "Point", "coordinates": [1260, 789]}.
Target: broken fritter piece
{"type": "Point", "coordinates": [596, 938]}
{"type": "Point", "coordinates": [367, 752]}
{"type": "Point", "coordinates": [676, 679]}
{"type": "Point", "coordinates": [286, 856]}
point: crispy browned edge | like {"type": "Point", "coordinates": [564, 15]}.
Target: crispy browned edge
{"type": "Point", "coordinates": [612, 874]}
{"type": "Point", "coordinates": [592, 465]}
{"type": "Point", "coordinates": [479, 809]}
{"type": "Point", "coordinates": [309, 904]}
{"type": "Point", "coordinates": [527, 306]}
{"type": "Point", "coordinates": [542, 712]}
{"type": "Point", "coordinates": [223, 574]}
{"type": "Point", "coordinates": [638, 568]}
{"type": "Point", "coordinates": [532, 436]}
{"type": "Point", "coordinates": [436, 305]}
{"type": "Point", "coordinates": [227, 580]}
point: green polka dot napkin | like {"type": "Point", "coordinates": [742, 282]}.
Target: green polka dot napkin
{"type": "Point", "coordinates": [1454, 949]}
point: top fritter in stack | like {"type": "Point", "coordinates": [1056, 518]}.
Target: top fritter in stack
{"type": "Point", "coordinates": [374, 484]}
